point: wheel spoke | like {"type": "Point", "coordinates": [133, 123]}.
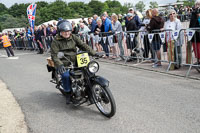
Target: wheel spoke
{"type": "Point", "coordinates": [100, 95]}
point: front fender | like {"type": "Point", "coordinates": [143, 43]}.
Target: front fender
{"type": "Point", "coordinates": [100, 80]}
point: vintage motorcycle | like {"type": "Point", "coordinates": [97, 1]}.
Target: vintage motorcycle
{"type": "Point", "coordinates": [86, 86]}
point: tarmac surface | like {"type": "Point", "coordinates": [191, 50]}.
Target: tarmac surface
{"type": "Point", "coordinates": [148, 99]}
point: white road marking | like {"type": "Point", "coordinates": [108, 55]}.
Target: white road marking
{"type": "Point", "coordinates": [3, 56]}
{"type": "Point", "coordinates": [25, 54]}
{"type": "Point", "coordinates": [13, 58]}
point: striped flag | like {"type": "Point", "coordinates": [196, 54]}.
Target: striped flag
{"type": "Point", "coordinates": [31, 11]}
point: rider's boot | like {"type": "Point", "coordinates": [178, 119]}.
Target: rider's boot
{"type": "Point", "coordinates": [68, 97]}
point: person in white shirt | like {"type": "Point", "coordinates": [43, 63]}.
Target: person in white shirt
{"type": "Point", "coordinates": [83, 29]}
{"type": "Point", "coordinates": [173, 46]}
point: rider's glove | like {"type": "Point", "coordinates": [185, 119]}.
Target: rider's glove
{"type": "Point", "coordinates": [61, 69]}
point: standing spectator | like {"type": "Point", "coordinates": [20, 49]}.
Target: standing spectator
{"type": "Point", "coordinates": [106, 22]}
{"type": "Point", "coordinates": [90, 23]}
{"type": "Point", "coordinates": [83, 29]}
{"type": "Point", "coordinates": [99, 28]}
{"type": "Point", "coordinates": [138, 21]}
{"type": "Point", "coordinates": [83, 21]}
{"type": "Point", "coordinates": [7, 45]}
{"type": "Point", "coordinates": [74, 28]}
{"type": "Point", "coordinates": [195, 23]}
{"type": "Point", "coordinates": [181, 13]}
{"type": "Point", "coordinates": [147, 46]}
{"type": "Point", "coordinates": [173, 24]}
{"type": "Point", "coordinates": [17, 39]}
{"type": "Point", "coordinates": [38, 34]}
{"type": "Point", "coordinates": [156, 23]}
{"type": "Point", "coordinates": [83, 32]}
{"type": "Point", "coordinates": [131, 26]}
{"type": "Point", "coordinates": [54, 31]}
{"type": "Point", "coordinates": [120, 19]}
{"type": "Point", "coordinates": [117, 27]}
{"type": "Point", "coordinates": [176, 8]}
{"type": "Point", "coordinates": [54, 23]}
{"type": "Point", "coordinates": [94, 23]}
{"type": "Point", "coordinates": [29, 37]}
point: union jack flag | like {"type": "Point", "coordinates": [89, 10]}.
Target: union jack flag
{"type": "Point", "coordinates": [31, 11]}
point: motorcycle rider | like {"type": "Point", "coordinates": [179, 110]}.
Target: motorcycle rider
{"type": "Point", "coordinates": [67, 43]}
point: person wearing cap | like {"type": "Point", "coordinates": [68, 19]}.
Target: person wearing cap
{"type": "Point", "coordinates": [195, 23]}
{"type": "Point", "coordinates": [131, 26]}
{"type": "Point", "coordinates": [67, 43]}
{"type": "Point", "coordinates": [138, 21]}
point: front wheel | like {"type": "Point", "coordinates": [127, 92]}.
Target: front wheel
{"type": "Point", "coordinates": [104, 100]}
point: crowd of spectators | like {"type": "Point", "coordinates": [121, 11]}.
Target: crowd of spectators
{"type": "Point", "coordinates": [107, 33]}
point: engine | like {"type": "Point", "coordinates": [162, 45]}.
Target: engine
{"type": "Point", "coordinates": [78, 85]}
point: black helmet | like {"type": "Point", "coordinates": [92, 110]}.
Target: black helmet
{"type": "Point", "coordinates": [64, 25]}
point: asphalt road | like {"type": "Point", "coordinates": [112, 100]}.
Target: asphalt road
{"type": "Point", "coordinates": [147, 102]}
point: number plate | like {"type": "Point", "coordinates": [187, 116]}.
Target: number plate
{"type": "Point", "coordinates": [82, 59]}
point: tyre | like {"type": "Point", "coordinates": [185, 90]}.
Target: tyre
{"type": "Point", "coordinates": [104, 100]}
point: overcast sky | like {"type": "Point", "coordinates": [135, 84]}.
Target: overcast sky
{"type": "Point", "coordinates": [9, 3]}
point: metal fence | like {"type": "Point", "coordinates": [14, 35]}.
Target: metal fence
{"type": "Point", "coordinates": [177, 48]}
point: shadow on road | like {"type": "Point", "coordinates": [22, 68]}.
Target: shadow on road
{"type": "Point", "coordinates": [51, 102]}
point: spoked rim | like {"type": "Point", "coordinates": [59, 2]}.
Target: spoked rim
{"type": "Point", "coordinates": [102, 100]}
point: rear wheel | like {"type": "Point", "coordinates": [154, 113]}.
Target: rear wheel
{"type": "Point", "coordinates": [104, 100]}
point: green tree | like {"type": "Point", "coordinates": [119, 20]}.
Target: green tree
{"type": "Point", "coordinates": [97, 7]}
{"type": "Point", "coordinates": [3, 9]}
{"type": "Point", "coordinates": [113, 6]}
{"type": "Point", "coordinates": [128, 5]}
{"type": "Point", "coordinates": [18, 10]}
{"type": "Point", "coordinates": [79, 8]}
{"type": "Point", "coordinates": [55, 10]}
{"type": "Point", "coordinates": [153, 4]}
{"type": "Point", "coordinates": [8, 21]}
{"type": "Point", "coordinates": [41, 4]}
{"type": "Point", "coordinates": [140, 6]}
{"type": "Point", "coordinates": [189, 3]}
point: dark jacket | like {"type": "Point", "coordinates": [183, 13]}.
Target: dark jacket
{"type": "Point", "coordinates": [75, 30]}
{"type": "Point", "coordinates": [138, 21]}
{"type": "Point", "coordinates": [38, 35]}
{"type": "Point", "coordinates": [156, 23]}
{"type": "Point", "coordinates": [69, 48]}
{"type": "Point", "coordinates": [131, 25]}
{"type": "Point", "coordinates": [195, 24]}
{"type": "Point", "coordinates": [101, 29]}
{"type": "Point", "coordinates": [94, 24]}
